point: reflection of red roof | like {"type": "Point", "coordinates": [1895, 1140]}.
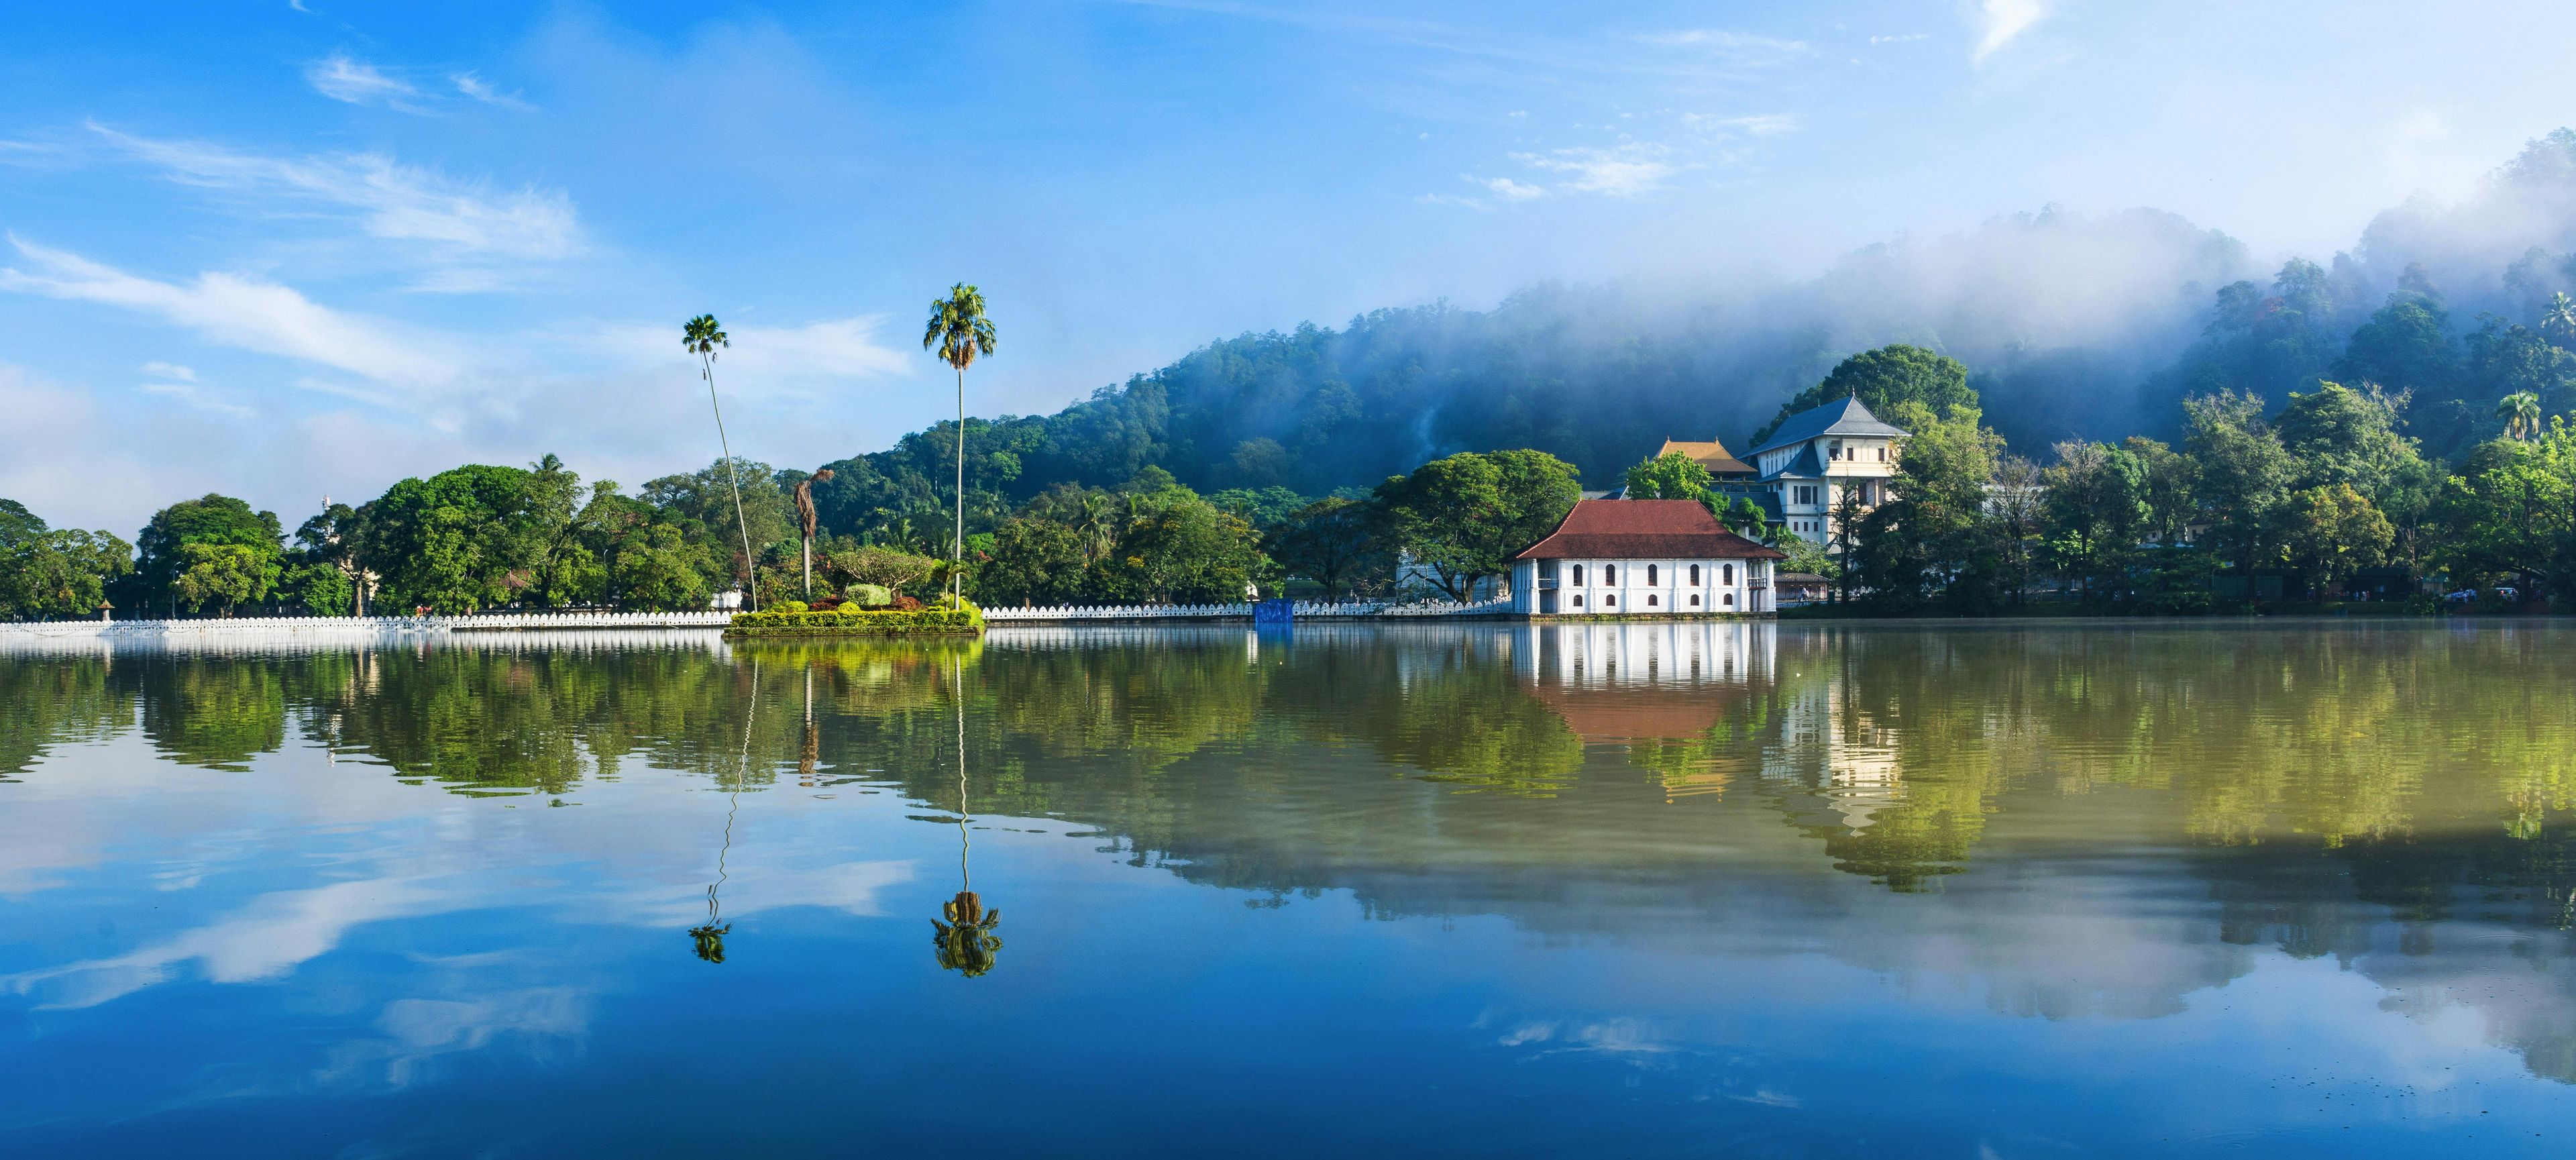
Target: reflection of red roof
{"type": "Point", "coordinates": [1634, 714]}
{"type": "Point", "coordinates": [1644, 529]}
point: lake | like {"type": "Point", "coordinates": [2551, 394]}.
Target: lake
{"type": "Point", "coordinates": [1705, 889]}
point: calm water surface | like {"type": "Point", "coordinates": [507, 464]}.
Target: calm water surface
{"type": "Point", "coordinates": [1631, 890]}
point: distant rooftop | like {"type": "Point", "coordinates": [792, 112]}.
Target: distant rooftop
{"type": "Point", "coordinates": [1712, 455]}
{"type": "Point", "coordinates": [1841, 417]}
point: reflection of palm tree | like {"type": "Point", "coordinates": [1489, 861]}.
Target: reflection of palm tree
{"type": "Point", "coordinates": [710, 937]}
{"type": "Point", "coordinates": [966, 942]}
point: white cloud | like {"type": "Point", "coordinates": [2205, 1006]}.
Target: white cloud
{"type": "Point", "coordinates": [1733, 48]}
{"type": "Point", "coordinates": [481, 90]}
{"type": "Point", "coordinates": [170, 371]}
{"type": "Point", "coordinates": [1754, 125]}
{"type": "Point", "coordinates": [341, 78]}
{"type": "Point", "coordinates": [392, 201]}
{"type": "Point", "coordinates": [1908, 37]}
{"type": "Point", "coordinates": [195, 396]}
{"type": "Point", "coordinates": [1999, 21]}
{"type": "Point", "coordinates": [233, 311]}
{"type": "Point", "coordinates": [1508, 189]}
{"type": "Point", "coordinates": [1623, 170]}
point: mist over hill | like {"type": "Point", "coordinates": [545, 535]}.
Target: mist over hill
{"type": "Point", "coordinates": [2071, 325]}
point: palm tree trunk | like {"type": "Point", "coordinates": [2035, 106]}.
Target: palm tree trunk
{"type": "Point", "coordinates": [750, 566]}
{"type": "Point", "coordinates": [809, 568]}
{"type": "Point", "coordinates": [957, 546]}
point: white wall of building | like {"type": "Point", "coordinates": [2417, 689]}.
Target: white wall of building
{"type": "Point", "coordinates": [1643, 587]}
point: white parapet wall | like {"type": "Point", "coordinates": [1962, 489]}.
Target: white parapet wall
{"type": "Point", "coordinates": [356, 627]}
{"type": "Point", "coordinates": [1305, 610]}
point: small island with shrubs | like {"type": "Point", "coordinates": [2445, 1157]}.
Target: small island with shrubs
{"type": "Point", "coordinates": [866, 610]}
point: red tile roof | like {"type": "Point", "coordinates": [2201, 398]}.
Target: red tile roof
{"type": "Point", "coordinates": [1644, 529]}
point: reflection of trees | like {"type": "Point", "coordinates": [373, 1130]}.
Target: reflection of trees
{"type": "Point", "coordinates": [215, 711]}
{"type": "Point", "coordinates": [50, 701]}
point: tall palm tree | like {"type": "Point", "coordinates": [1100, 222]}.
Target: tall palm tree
{"type": "Point", "coordinates": [806, 519]}
{"type": "Point", "coordinates": [701, 336]}
{"type": "Point", "coordinates": [2558, 320]}
{"type": "Point", "coordinates": [957, 333]}
{"type": "Point", "coordinates": [2521, 414]}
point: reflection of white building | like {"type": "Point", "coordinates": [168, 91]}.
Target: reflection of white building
{"type": "Point", "coordinates": [1676, 653]}
{"type": "Point", "coordinates": [1642, 557]}
{"type": "Point", "coordinates": [1837, 749]}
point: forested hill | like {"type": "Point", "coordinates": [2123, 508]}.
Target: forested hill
{"type": "Point", "coordinates": [2070, 325]}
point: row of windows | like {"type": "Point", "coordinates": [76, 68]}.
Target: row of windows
{"type": "Point", "coordinates": [1610, 574]}
{"type": "Point", "coordinates": [1725, 600]}
{"type": "Point", "coordinates": [1835, 451]}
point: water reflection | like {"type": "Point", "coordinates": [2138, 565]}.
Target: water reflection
{"type": "Point", "coordinates": [963, 933]}
{"type": "Point", "coordinates": [2064, 822]}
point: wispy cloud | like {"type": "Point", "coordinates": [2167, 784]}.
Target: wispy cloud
{"type": "Point", "coordinates": [457, 219]}
{"type": "Point", "coordinates": [1999, 21]}
{"type": "Point", "coordinates": [233, 311]}
{"type": "Point", "coordinates": [342, 78]}
{"type": "Point", "coordinates": [479, 89]}
{"type": "Point", "coordinates": [1906, 38]}
{"type": "Point", "coordinates": [1627, 169]}
{"type": "Point", "coordinates": [1508, 189]}
{"type": "Point", "coordinates": [1734, 47]}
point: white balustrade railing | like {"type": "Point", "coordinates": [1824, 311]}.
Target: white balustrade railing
{"type": "Point", "coordinates": [1305, 610]}
{"type": "Point", "coordinates": [363, 625]}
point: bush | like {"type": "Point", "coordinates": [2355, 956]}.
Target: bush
{"type": "Point", "coordinates": [869, 595]}
{"type": "Point", "coordinates": [784, 623]}
{"type": "Point", "coordinates": [788, 606]}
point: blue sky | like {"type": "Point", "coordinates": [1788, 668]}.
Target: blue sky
{"type": "Point", "coordinates": [284, 250]}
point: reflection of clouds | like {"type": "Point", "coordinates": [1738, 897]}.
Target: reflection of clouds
{"type": "Point", "coordinates": [1620, 1037]}
{"type": "Point", "coordinates": [540, 1021]}
{"type": "Point", "coordinates": [277, 932]}
{"type": "Point", "coordinates": [264, 940]}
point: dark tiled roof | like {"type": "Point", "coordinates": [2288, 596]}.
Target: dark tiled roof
{"type": "Point", "coordinates": [1803, 465]}
{"type": "Point", "coordinates": [1841, 417]}
{"type": "Point", "coordinates": [1644, 529]}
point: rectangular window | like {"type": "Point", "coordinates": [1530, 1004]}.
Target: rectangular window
{"type": "Point", "coordinates": [1650, 577]}
{"type": "Point", "coordinates": [1610, 602]}
{"type": "Point", "coordinates": [1650, 601]}
{"type": "Point", "coordinates": [1609, 573]}
{"type": "Point", "coordinates": [1578, 602]}
{"type": "Point", "coordinates": [1578, 580]}
{"type": "Point", "coordinates": [1729, 572]}
{"type": "Point", "coordinates": [1694, 575]}
{"type": "Point", "coordinates": [1694, 600]}
{"type": "Point", "coordinates": [1882, 455]}
{"type": "Point", "coordinates": [1730, 600]}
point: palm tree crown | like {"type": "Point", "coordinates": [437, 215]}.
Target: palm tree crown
{"type": "Point", "coordinates": [2521, 414]}
{"type": "Point", "coordinates": [702, 335]}
{"type": "Point", "coordinates": [2558, 319]}
{"type": "Point", "coordinates": [958, 331]}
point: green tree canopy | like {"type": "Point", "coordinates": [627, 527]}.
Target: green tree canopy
{"type": "Point", "coordinates": [461, 540]}
{"type": "Point", "coordinates": [209, 520]}
{"type": "Point", "coordinates": [1882, 379]}
{"type": "Point", "coordinates": [1338, 543]}
{"type": "Point", "coordinates": [1671, 475]}
{"type": "Point", "coordinates": [1462, 518]}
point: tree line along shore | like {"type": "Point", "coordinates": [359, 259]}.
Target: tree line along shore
{"type": "Point", "coordinates": [2255, 506]}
